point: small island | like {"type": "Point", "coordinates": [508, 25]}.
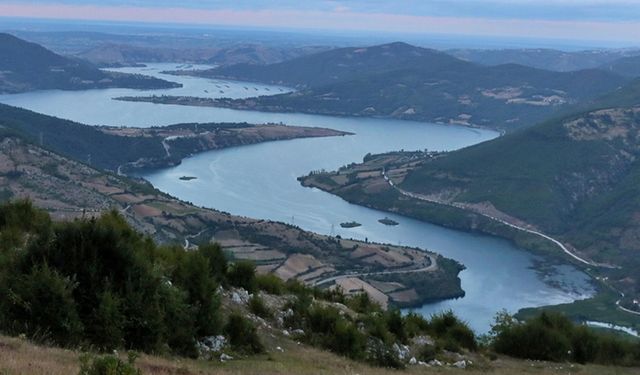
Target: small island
{"type": "Point", "coordinates": [350, 224]}
{"type": "Point", "coordinates": [188, 178]}
{"type": "Point", "coordinates": [387, 221]}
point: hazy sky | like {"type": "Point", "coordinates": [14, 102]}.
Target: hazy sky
{"type": "Point", "coordinates": [615, 20]}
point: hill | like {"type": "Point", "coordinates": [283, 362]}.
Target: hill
{"type": "Point", "coordinates": [542, 58]}
{"type": "Point", "coordinates": [337, 65]}
{"type": "Point", "coordinates": [124, 149]}
{"type": "Point", "coordinates": [626, 66]}
{"type": "Point", "coordinates": [402, 81]}
{"type": "Point", "coordinates": [28, 66]}
{"type": "Point", "coordinates": [574, 178]}
{"type": "Point", "coordinates": [114, 55]}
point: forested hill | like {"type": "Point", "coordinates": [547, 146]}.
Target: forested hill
{"type": "Point", "coordinates": [575, 177]}
{"type": "Point", "coordinates": [340, 65]}
{"type": "Point", "coordinates": [28, 66]}
{"type": "Point", "coordinates": [402, 81]}
{"type": "Point", "coordinates": [626, 66]}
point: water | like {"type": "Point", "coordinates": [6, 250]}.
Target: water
{"type": "Point", "coordinates": [260, 181]}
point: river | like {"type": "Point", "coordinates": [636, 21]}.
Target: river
{"type": "Point", "coordinates": [260, 181]}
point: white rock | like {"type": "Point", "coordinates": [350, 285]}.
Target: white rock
{"type": "Point", "coordinates": [225, 357]}
{"type": "Point", "coordinates": [285, 332]}
{"type": "Point", "coordinates": [413, 361]}
{"type": "Point", "coordinates": [460, 364]}
{"type": "Point", "coordinates": [279, 349]}
{"type": "Point", "coordinates": [435, 362]}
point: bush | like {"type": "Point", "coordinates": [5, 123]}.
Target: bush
{"type": "Point", "coordinates": [242, 335]}
{"type": "Point", "coordinates": [270, 283]}
{"type": "Point", "coordinates": [258, 307]}
{"type": "Point", "coordinates": [451, 333]}
{"type": "Point", "coordinates": [427, 353]}
{"type": "Point", "coordinates": [242, 274]}
{"type": "Point", "coordinates": [41, 305]}
{"type": "Point", "coordinates": [98, 282]}
{"type": "Point", "coordinates": [553, 337]}
{"type": "Point", "coordinates": [108, 365]}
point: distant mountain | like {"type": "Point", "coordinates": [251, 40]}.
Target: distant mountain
{"type": "Point", "coordinates": [402, 81]}
{"type": "Point", "coordinates": [338, 65]}
{"type": "Point", "coordinates": [626, 66]}
{"type": "Point", "coordinates": [28, 66]}
{"type": "Point", "coordinates": [125, 54]}
{"type": "Point", "coordinates": [549, 59]}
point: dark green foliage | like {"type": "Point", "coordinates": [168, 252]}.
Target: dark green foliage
{"type": "Point", "coordinates": [217, 260]}
{"type": "Point", "coordinates": [258, 307]}
{"type": "Point", "coordinates": [270, 283]}
{"type": "Point", "coordinates": [100, 283]}
{"type": "Point", "coordinates": [242, 274]}
{"type": "Point", "coordinates": [242, 335]}
{"type": "Point", "coordinates": [108, 365]}
{"type": "Point", "coordinates": [451, 333]}
{"type": "Point", "coordinates": [553, 337]}
{"type": "Point", "coordinates": [40, 304]}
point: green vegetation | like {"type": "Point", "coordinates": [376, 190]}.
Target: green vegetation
{"type": "Point", "coordinates": [99, 282]}
{"type": "Point", "coordinates": [553, 337]}
{"type": "Point", "coordinates": [600, 308]}
{"type": "Point", "coordinates": [243, 335]}
{"type": "Point", "coordinates": [108, 365]}
{"type": "Point", "coordinates": [403, 81]}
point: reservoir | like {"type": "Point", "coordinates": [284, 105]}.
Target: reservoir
{"type": "Point", "coordinates": [260, 181]}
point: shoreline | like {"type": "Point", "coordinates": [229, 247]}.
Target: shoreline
{"type": "Point", "coordinates": [194, 101]}
{"type": "Point", "coordinates": [353, 192]}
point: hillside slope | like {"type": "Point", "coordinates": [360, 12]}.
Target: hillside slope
{"type": "Point", "coordinates": [542, 58]}
{"type": "Point", "coordinates": [626, 66]}
{"type": "Point", "coordinates": [28, 66]}
{"type": "Point", "coordinates": [402, 81]}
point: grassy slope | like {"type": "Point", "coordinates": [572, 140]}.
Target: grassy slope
{"type": "Point", "coordinates": [22, 357]}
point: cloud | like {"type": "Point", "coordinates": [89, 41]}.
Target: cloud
{"type": "Point", "coordinates": [343, 15]}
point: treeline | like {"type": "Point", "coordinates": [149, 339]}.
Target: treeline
{"type": "Point", "coordinates": [553, 337]}
{"type": "Point", "coordinates": [99, 284]}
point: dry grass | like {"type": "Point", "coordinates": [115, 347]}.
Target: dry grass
{"type": "Point", "coordinates": [21, 357]}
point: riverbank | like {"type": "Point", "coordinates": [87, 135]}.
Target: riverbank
{"type": "Point", "coordinates": [252, 105]}
{"type": "Point", "coordinates": [183, 140]}
{"type": "Point", "coordinates": [373, 183]}
{"type": "Point", "coordinates": [68, 189]}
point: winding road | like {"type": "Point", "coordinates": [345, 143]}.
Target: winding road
{"type": "Point", "coordinates": [521, 228]}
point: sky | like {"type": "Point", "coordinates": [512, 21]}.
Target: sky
{"type": "Point", "coordinates": [599, 20]}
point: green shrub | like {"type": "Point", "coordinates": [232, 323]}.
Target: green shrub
{"type": "Point", "coordinates": [40, 304]}
{"type": "Point", "coordinates": [451, 333]}
{"type": "Point", "coordinates": [99, 283]}
{"type": "Point", "coordinates": [427, 353]}
{"type": "Point", "coordinates": [270, 283]}
{"type": "Point", "coordinates": [108, 365]}
{"type": "Point", "coordinates": [242, 274]}
{"type": "Point", "coordinates": [258, 307]}
{"type": "Point", "coordinates": [242, 335]}
{"type": "Point", "coordinates": [217, 261]}
{"type": "Point", "coordinates": [553, 337]}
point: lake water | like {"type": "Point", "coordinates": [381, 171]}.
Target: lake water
{"type": "Point", "coordinates": [260, 181]}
